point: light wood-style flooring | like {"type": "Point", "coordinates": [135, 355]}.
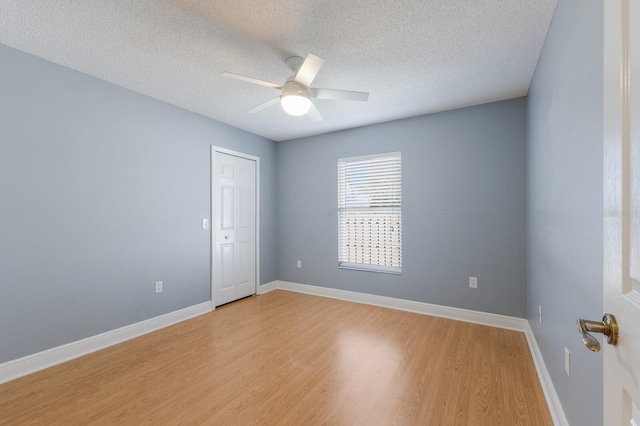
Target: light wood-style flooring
{"type": "Point", "coordinates": [285, 358]}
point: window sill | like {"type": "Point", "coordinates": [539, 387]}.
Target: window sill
{"type": "Point", "coordinates": [371, 268]}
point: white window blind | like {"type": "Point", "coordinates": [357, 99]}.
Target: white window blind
{"type": "Point", "coordinates": [369, 213]}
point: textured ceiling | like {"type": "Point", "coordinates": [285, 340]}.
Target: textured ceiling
{"type": "Point", "coordinates": [413, 57]}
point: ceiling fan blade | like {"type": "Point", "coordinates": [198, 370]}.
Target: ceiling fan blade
{"type": "Point", "coordinates": [314, 114]}
{"type": "Point", "coordinates": [309, 69]}
{"type": "Point", "coordinates": [252, 80]}
{"type": "Point", "coordinates": [264, 105]}
{"type": "Point", "coordinates": [342, 95]}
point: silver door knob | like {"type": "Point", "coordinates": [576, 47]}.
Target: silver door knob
{"type": "Point", "coordinates": [226, 237]}
{"type": "Point", "coordinates": [608, 327]}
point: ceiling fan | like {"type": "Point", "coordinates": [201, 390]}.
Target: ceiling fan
{"type": "Point", "coordinates": [296, 93]}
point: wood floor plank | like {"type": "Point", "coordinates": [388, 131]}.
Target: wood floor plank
{"type": "Point", "coordinates": [285, 358]}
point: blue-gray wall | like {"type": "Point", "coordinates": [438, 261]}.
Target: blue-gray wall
{"type": "Point", "coordinates": [463, 201]}
{"type": "Point", "coordinates": [102, 193]}
{"type": "Point", "coordinates": [564, 202]}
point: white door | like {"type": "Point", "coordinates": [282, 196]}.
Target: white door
{"type": "Point", "coordinates": [622, 209]}
{"type": "Point", "coordinates": [233, 209]}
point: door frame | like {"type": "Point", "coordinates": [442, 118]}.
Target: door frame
{"type": "Point", "coordinates": [212, 235]}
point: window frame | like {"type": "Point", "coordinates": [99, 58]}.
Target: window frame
{"type": "Point", "coordinates": [342, 209]}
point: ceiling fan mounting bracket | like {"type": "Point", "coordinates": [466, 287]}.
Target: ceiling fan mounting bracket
{"type": "Point", "coordinates": [294, 63]}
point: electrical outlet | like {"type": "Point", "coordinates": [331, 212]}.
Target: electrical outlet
{"type": "Point", "coordinates": [158, 286]}
{"type": "Point", "coordinates": [473, 282]}
{"type": "Point", "coordinates": [299, 264]}
{"type": "Point", "coordinates": [540, 314]}
{"type": "Point", "coordinates": [567, 361]}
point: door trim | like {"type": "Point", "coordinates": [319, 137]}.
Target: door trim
{"type": "Point", "coordinates": [239, 154]}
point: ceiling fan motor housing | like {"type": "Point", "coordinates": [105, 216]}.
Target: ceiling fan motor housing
{"type": "Point", "coordinates": [292, 88]}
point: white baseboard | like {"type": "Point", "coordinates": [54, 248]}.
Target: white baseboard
{"type": "Point", "coordinates": [557, 412]}
{"type": "Point", "coordinates": [266, 288]}
{"type": "Point", "coordinates": [483, 318]}
{"type": "Point", "coordinates": [39, 361]}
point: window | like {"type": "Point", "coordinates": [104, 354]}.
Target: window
{"type": "Point", "coordinates": [369, 213]}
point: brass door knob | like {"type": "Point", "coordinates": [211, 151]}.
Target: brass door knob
{"type": "Point", "coordinates": [608, 327]}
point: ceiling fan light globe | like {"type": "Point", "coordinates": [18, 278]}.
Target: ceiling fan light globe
{"type": "Point", "coordinates": [295, 105]}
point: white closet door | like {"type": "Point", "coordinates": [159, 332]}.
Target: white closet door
{"type": "Point", "coordinates": [234, 227]}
